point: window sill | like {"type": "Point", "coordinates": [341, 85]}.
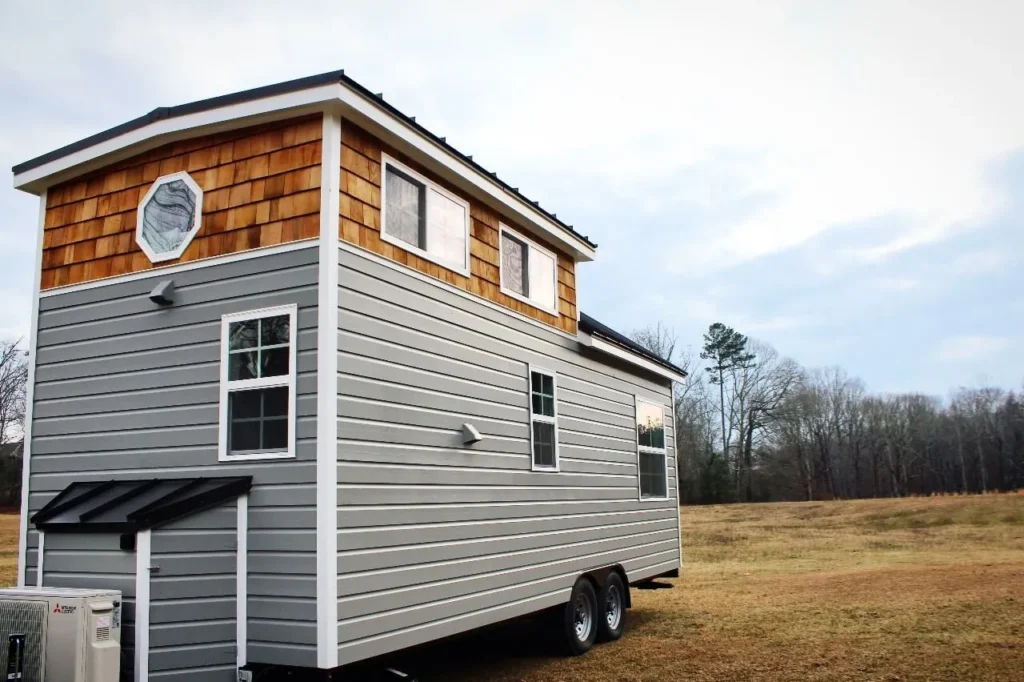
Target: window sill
{"type": "Point", "coordinates": [250, 456]}
{"type": "Point", "coordinates": [528, 301]}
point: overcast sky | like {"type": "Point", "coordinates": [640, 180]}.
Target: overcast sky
{"type": "Point", "coordinates": [842, 180]}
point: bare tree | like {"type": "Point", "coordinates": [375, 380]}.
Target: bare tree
{"type": "Point", "coordinates": [13, 378]}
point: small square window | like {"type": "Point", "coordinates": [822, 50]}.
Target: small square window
{"type": "Point", "coordinates": [528, 272]}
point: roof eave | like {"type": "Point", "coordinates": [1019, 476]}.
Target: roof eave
{"type": "Point", "coordinates": [326, 92]}
{"type": "Point", "coordinates": [610, 347]}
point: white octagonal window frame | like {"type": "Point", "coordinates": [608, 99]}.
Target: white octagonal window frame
{"type": "Point", "coordinates": [154, 255]}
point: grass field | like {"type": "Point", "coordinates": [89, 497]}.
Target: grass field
{"type": "Point", "coordinates": [888, 590]}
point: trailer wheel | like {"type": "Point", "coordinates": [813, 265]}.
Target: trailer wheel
{"type": "Point", "coordinates": [580, 618]}
{"type": "Point", "coordinates": [611, 601]}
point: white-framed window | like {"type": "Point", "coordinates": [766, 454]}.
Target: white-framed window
{"type": "Point", "coordinates": [528, 271]}
{"type": "Point", "coordinates": [169, 216]}
{"type": "Point", "coordinates": [424, 218]}
{"type": "Point", "coordinates": [257, 384]}
{"type": "Point", "coordinates": [652, 458]}
{"type": "Point", "coordinates": [543, 387]}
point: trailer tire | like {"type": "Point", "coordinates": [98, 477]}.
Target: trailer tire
{"type": "Point", "coordinates": [611, 600]}
{"type": "Point", "coordinates": [580, 618]}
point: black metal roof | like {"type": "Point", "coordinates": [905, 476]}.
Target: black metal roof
{"type": "Point", "coordinates": [162, 113]}
{"type": "Point", "coordinates": [131, 506]}
{"type": "Point", "coordinates": [593, 327]}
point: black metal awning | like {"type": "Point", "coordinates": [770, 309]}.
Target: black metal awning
{"type": "Point", "coordinates": [131, 506]}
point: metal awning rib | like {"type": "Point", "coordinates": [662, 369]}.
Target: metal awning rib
{"type": "Point", "coordinates": [131, 506]}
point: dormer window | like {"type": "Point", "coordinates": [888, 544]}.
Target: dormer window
{"type": "Point", "coordinates": [528, 271]}
{"type": "Point", "coordinates": [424, 218]}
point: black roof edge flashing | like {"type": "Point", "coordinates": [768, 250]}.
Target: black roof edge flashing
{"type": "Point", "coordinates": [162, 113]}
{"type": "Point", "coordinates": [595, 328]}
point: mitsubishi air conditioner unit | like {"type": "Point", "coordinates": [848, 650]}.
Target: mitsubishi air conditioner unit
{"type": "Point", "coordinates": [59, 635]}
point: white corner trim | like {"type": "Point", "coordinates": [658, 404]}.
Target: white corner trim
{"type": "Point", "coordinates": [429, 185]}
{"type": "Point", "coordinates": [637, 402]}
{"type": "Point", "coordinates": [530, 369]}
{"type": "Point", "coordinates": [197, 217]}
{"type": "Point", "coordinates": [327, 399]}
{"type": "Point", "coordinates": [143, 549]}
{"type": "Point", "coordinates": [675, 456]}
{"type": "Point", "coordinates": [209, 121]}
{"type": "Point", "coordinates": [41, 554]}
{"type": "Point", "coordinates": [241, 582]}
{"type": "Point", "coordinates": [530, 244]}
{"type": "Point", "coordinates": [618, 351]}
{"type": "Point", "coordinates": [289, 381]}
{"type": "Point", "coordinates": [169, 270]}
{"type": "Point", "coordinates": [30, 389]}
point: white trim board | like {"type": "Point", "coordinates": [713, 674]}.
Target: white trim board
{"type": "Point", "coordinates": [362, 110]}
{"type": "Point", "coordinates": [143, 553]}
{"type": "Point", "coordinates": [30, 389]}
{"type": "Point", "coordinates": [241, 582]}
{"type": "Point", "coordinates": [327, 399]}
{"type": "Point", "coordinates": [40, 555]}
{"type": "Point", "coordinates": [600, 344]}
{"type": "Point", "coordinates": [168, 270]}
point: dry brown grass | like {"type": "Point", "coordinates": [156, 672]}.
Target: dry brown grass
{"type": "Point", "coordinates": [910, 590]}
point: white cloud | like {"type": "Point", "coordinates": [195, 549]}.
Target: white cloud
{"type": "Point", "coordinates": [970, 347]}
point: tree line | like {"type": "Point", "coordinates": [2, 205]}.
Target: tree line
{"type": "Point", "coordinates": [752, 425]}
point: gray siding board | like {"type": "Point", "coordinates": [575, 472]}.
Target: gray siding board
{"type": "Point", "coordinates": [296, 610]}
{"type": "Point", "coordinates": [436, 536]}
{"type": "Point", "coordinates": [437, 437]}
{"type": "Point", "coordinates": [126, 390]}
{"type": "Point", "coordinates": [431, 417]}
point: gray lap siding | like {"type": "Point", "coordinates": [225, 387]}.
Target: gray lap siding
{"type": "Point", "coordinates": [436, 537]}
{"type": "Point", "coordinates": [125, 389]}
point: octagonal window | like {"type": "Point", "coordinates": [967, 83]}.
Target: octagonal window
{"type": "Point", "coordinates": [169, 216]}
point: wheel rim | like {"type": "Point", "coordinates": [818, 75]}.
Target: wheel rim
{"type": "Point", "coordinates": [613, 607]}
{"type": "Point", "coordinates": [582, 617]}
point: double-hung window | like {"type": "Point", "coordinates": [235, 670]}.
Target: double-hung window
{"type": "Point", "coordinates": [543, 420]}
{"type": "Point", "coordinates": [423, 218]}
{"type": "Point", "coordinates": [652, 459]}
{"type": "Point", "coordinates": [528, 271]}
{"type": "Point", "coordinates": [257, 385]}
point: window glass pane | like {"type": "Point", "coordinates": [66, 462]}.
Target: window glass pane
{"type": "Point", "coordinates": [274, 362]}
{"type": "Point", "coordinates": [275, 434]}
{"type": "Point", "coordinates": [536, 381]}
{"type": "Point", "coordinates": [243, 334]}
{"type": "Point", "coordinates": [548, 383]}
{"type": "Point", "coordinates": [405, 208]}
{"type": "Point", "coordinates": [542, 278]}
{"type": "Point", "coordinates": [274, 330]}
{"type": "Point", "coordinates": [650, 425]}
{"type": "Point", "coordinates": [446, 230]}
{"type": "Point", "coordinates": [244, 405]}
{"type": "Point", "coordinates": [242, 366]}
{"type": "Point", "coordinates": [275, 402]}
{"type": "Point", "coordinates": [544, 444]}
{"type": "Point", "coordinates": [513, 264]}
{"type": "Point", "coordinates": [652, 475]}
{"type": "Point", "coordinates": [548, 406]}
{"type": "Point", "coordinates": [244, 436]}
{"type": "Point", "coordinates": [538, 404]}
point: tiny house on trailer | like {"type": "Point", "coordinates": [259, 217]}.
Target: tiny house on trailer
{"type": "Point", "coordinates": [309, 386]}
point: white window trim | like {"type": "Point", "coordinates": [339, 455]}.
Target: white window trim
{"type": "Point", "coordinates": [227, 386]}
{"type": "Point", "coordinates": [663, 451]}
{"type": "Point", "coordinates": [389, 161]}
{"type": "Point", "coordinates": [153, 256]}
{"type": "Point", "coordinates": [530, 369]}
{"type": "Point", "coordinates": [502, 229]}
